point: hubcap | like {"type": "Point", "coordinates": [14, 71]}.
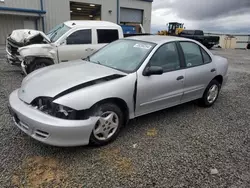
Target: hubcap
{"type": "Point", "coordinates": [106, 126]}
{"type": "Point", "coordinates": [212, 93]}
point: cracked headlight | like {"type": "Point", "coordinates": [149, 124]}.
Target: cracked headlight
{"type": "Point", "coordinates": [46, 105]}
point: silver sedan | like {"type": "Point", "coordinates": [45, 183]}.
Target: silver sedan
{"type": "Point", "coordinates": [89, 101]}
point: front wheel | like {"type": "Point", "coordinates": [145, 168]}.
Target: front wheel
{"type": "Point", "coordinates": [107, 128]}
{"type": "Point", "coordinates": [211, 94]}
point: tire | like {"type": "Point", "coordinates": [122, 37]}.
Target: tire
{"type": "Point", "coordinates": [38, 63]}
{"type": "Point", "coordinates": [204, 101]}
{"type": "Point", "coordinates": [103, 126]}
{"type": "Point", "coordinates": [209, 46]}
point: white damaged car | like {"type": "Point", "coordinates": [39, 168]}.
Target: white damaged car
{"type": "Point", "coordinates": [68, 41]}
{"type": "Point", "coordinates": [88, 101]}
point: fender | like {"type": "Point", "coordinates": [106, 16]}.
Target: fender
{"type": "Point", "coordinates": [85, 97]}
{"type": "Point", "coordinates": [39, 50]}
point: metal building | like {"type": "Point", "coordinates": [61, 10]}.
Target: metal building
{"type": "Point", "coordinates": [45, 14]}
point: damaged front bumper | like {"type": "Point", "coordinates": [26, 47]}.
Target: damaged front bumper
{"type": "Point", "coordinates": [24, 67]}
{"type": "Point", "coordinates": [13, 60]}
{"type": "Point", "coordinates": [48, 129]}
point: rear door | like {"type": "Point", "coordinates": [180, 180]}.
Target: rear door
{"type": "Point", "coordinates": [78, 44]}
{"type": "Point", "coordinates": [200, 70]}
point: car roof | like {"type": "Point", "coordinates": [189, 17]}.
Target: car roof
{"type": "Point", "coordinates": [90, 23]}
{"type": "Point", "coordinates": [158, 39]}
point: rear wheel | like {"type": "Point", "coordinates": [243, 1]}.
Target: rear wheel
{"type": "Point", "coordinates": [38, 64]}
{"type": "Point", "coordinates": [107, 128]}
{"type": "Point", "coordinates": [211, 94]}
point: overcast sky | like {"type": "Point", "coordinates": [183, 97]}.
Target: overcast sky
{"type": "Point", "coordinates": [231, 16]}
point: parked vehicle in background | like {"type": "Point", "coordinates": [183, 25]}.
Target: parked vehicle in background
{"type": "Point", "coordinates": [198, 35]}
{"type": "Point", "coordinates": [69, 41]}
{"type": "Point", "coordinates": [20, 38]}
{"type": "Point", "coordinates": [125, 79]}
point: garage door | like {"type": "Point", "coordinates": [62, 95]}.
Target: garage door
{"type": "Point", "coordinates": [9, 23]}
{"type": "Point", "coordinates": [128, 15]}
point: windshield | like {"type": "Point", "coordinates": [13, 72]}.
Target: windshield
{"type": "Point", "coordinates": [57, 32]}
{"type": "Point", "coordinates": [123, 55]}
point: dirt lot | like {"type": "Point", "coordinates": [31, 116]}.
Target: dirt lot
{"type": "Point", "coordinates": [185, 146]}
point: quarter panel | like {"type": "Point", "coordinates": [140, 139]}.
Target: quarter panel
{"type": "Point", "coordinates": [221, 65]}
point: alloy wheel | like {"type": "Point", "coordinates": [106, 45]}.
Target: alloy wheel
{"type": "Point", "coordinates": [106, 126]}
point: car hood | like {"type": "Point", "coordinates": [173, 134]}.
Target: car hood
{"type": "Point", "coordinates": [55, 80]}
{"type": "Point", "coordinates": [27, 36]}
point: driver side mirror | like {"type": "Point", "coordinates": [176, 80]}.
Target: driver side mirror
{"type": "Point", "coordinates": [63, 42]}
{"type": "Point", "coordinates": [153, 70]}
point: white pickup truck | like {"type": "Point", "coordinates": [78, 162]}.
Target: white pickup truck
{"type": "Point", "coordinates": [68, 41]}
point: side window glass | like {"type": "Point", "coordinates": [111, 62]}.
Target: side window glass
{"type": "Point", "coordinates": [107, 35]}
{"type": "Point", "coordinates": [192, 54]}
{"type": "Point", "coordinates": [80, 37]}
{"type": "Point", "coordinates": [206, 57]}
{"type": "Point", "coordinates": [166, 57]}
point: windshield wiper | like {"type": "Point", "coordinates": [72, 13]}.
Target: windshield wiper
{"type": "Point", "coordinates": [88, 59]}
{"type": "Point", "coordinates": [97, 62]}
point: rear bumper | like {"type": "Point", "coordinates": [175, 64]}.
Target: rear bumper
{"type": "Point", "coordinates": [47, 129]}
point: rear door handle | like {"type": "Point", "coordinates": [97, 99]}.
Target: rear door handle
{"type": "Point", "coordinates": [180, 78]}
{"type": "Point", "coordinates": [64, 61]}
{"type": "Point", "coordinates": [213, 70]}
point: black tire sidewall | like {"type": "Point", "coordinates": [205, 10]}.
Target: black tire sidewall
{"type": "Point", "coordinates": [204, 100]}
{"type": "Point", "coordinates": [98, 110]}
{"type": "Point", "coordinates": [32, 65]}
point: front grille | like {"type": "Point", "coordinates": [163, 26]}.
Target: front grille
{"type": "Point", "coordinates": [13, 49]}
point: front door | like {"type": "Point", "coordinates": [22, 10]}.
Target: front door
{"type": "Point", "coordinates": [157, 92]}
{"type": "Point", "coordinates": [200, 70]}
{"type": "Point", "coordinates": [78, 45]}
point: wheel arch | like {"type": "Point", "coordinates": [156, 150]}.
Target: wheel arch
{"type": "Point", "coordinates": [219, 78]}
{"type": "Point", "coordinates": [117, 101]}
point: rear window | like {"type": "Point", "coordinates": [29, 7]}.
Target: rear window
{"type": "Point", "coordinates": [198, 32]}
{"type": "Point", "coordinates": [107, 35]}
{"type": "Point", "coordinates": [188, 32]}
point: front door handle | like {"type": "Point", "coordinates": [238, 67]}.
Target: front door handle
{"type": "Point", "coordinates": [213, 70]}
{"type": "Point", "coordinates": [180, 78]}
{"type": "Point", "coordinates": [89, 49]}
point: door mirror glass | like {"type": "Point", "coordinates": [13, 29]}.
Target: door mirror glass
{"type": "Point", "coordinates": [153, 70]}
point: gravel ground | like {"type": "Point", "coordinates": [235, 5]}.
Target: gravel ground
{"type": "Point", "coordinates": [185, 146]}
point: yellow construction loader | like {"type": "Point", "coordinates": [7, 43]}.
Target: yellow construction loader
{"type": "Point", "coordinates": [174, 28]}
